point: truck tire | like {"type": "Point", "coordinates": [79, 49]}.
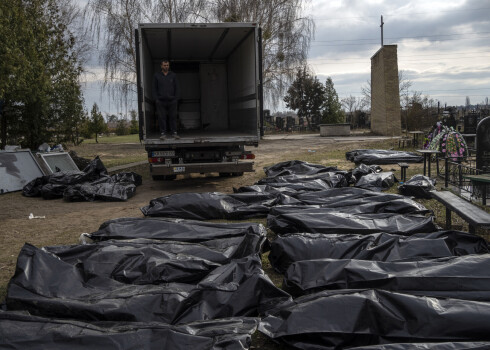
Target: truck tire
{"type": "Point", "coordinates": [164, 177]}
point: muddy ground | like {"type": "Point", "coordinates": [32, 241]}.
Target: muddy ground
{"type": "Point", "coordinates": [65, 221]}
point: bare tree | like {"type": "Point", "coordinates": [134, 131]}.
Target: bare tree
{"type": "Point", "coordinates": [72, 18]}
{"type": "Point", "coordinates": [113, 23]}
{"type": "Point", "coordinates": [353, 105]}
{"type": "Point", "coordinates": [350, 104]}
{"type": "Point", "coordinates": [403, 87]}
{"type": "Point", "coordinates": [366, 94]}
{"type": "Point", "coordinates": [285, 40]}
{"type": "Point", "coordinates": [404, 84]}
{"type": "Point", "coordinates": [286, 37]}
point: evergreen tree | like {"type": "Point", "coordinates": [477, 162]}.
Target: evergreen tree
{"type": "Point", "coordinates": [39, 74]}
{"type": "Point", "coordinates": [332, 108]}
{"type": "Point", "coordinates": [97, 123]}
{"type": "Point", "coordinates": [133, 128]}
{"type": "Point", "coordinates": [122, 127]}
{"type": "Point", "coordinates": [306, 95]}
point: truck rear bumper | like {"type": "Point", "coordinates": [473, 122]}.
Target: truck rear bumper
{"type": "Point", "coordinates": [189, 168]}
{"type": "Point", "coordinates": [198, 140]}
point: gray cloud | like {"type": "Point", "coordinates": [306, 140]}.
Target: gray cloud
{"type": "Point", "coordinates": [348, 34]}
{"type": "Point", "coordinates": [357, 23]}
{"type": "Point", "coordinates": [443, 50]}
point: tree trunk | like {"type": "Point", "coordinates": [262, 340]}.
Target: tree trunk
{"type": "Point", "coordinates": [3, 127]}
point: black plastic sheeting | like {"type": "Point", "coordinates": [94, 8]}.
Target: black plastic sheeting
{"type": "Point", "coordinates": [345, 196]}
{"type": "Point", "coordinates": [23, 331]}
{"type": "Point", "coordinates": [345, 199]}
{"type": "Point", "coordinates": [211, 205]}
{"type": "Point", "coordinates": [364, 169]}
{"type": "Point", "coordinates": [390, 204]}
{"type": "Point", "coordinates": [428, 346]}
{"type": "Point", "coordinates": [180, 284]}
{"type": "Point", "coordinates": [178, 230]}
{"type": "Point", "coordinates": [380, 156]}
{"type": "Point", "coordinates": [311, 187]}
{"type": "Point", "coordinates": [348, 318]}
{"type": "Point", "coordinates": [419, 186]}
{"type": "Point", "coordinates": [332, 179]}
{"type": "Point", "coordinates": [118, 187]}
{"type": "Point", "coordinates": [286, 188]}
{"type": "Point", "coordinates": [375, 247]}
{"type": "Point", "coordinates": [239, 288]}
{"type": "Point", "coordinates": [377, 181]}
{"type": "Point", "coordinates": [296, 167]}
{"type": "Point", "coordinates": [90, 184]}
{"type": "Point", "coordinates": [292, 177]}
{"type": "Point", "coordinates": [144, 261]}
{"type": "Point", "coordinates": [319, 220]}
{"type": "Point", "coordinates": [53, 186]}
{"type": "Point", "coordinates": [462, 277]}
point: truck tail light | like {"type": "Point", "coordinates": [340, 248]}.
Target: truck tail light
{"type": "Point", "coordinates": [156, 160]}
{"type": "Point", "coordinates": [247, 156]}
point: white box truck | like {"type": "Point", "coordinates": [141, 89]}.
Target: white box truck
{"type": "Point", "coordinates": [220, 110]}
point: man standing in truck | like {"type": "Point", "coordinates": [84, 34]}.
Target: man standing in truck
{"type": "Point", "coordinates": [166, 94]}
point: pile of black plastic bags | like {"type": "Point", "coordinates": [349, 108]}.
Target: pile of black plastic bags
{"type": "Point", "coordinates": [363, 269]}
{"type": "Point", "coordinates": [87, 185]}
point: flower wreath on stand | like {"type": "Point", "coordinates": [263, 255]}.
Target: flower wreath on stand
{"type": "Point", "coordinates": [448, 141]}
{"type": "Point", "coordinates": [436, 130]}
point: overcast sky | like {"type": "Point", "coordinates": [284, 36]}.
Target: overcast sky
{"type": "Point", "coordinates": [443, 48]}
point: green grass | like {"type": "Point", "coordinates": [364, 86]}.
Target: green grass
{"type": "Point", "coordinates": [113, 150]}
{"type": "Point", "coordinates": [115, 139]}
{"type": "Point", "coordinates": [124, 160]}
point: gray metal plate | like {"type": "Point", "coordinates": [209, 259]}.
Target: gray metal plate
{"type": "Point", "coordinates": [56, 161]}
{"type": "Point", "coordinates": [17, 168]}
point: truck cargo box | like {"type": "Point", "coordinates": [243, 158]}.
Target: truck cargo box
{"type": "Point", "coordinates": [218, 69]}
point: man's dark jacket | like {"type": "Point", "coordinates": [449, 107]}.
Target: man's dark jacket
{"type": "Point", "coordinates": [165, 87]}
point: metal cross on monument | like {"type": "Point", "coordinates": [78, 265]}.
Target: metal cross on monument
{"type": "Point", "coordinates": [381, 26]}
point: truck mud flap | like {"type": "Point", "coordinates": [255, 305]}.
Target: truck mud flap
{"type": "Point", "coordinates": [224, 167]}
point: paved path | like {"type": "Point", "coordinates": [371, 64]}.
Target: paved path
{"type": "Point", "coordinates": [358, 137]}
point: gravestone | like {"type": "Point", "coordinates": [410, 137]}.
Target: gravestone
{"type": "Point", "coordinates": [483, 145]}
{"type": "Point", "coordinates": [471, 122]}
{"type": "Point", "coordinates": [290, 123]}
{"type": "Point", "coordinates": [267, 116]}
{"type": "Point", "coordinates": [279, 123]}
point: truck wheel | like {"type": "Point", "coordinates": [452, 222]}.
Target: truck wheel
{"type": "Point", "coordinates": [164, 177]}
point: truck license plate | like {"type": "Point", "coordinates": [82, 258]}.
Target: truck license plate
{"type": "Point", "coordinates": [179, 169]}
{"type": "Point", "coordinates": [163, 154]}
